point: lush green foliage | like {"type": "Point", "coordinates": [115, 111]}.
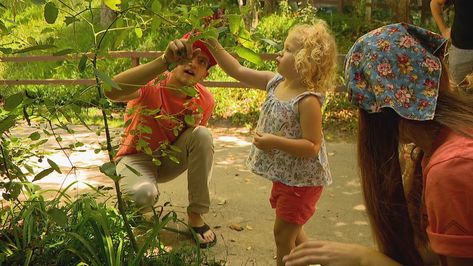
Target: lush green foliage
{"type": "Point", "coordinates": [45, 228]}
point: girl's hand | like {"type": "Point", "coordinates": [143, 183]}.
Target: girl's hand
{"type": "Point", "coordinates": [264, 141]}
{"type": "Point", "coordinates": [328, 254]}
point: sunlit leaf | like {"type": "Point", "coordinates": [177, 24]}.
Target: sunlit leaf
{"type": "Point", "coordinates": [249, 55]}
{"type": "Point", "coordinates": [34, 136]}
{"type": "Point", "coordinates": [105, 78]}
{"type": "Point", "coordinates": [58, 216]}
{"type": "Point", "coordinates": [33, 48]}
{"type": "Point", "coordinates": [54, 166]}
{"type": "Point", "coordinates": [13, 101]}
{"type": "Point", "coordinates": [138, 32]}
{"type": "Point", "coordinates": [234, 23]}
{"type": "Point", "coordinates": [42, 174]}
{"type": "Point", "coordinates": [113, 4]}
{"type": "Point", "coordinates": [50, 12]}
{"type": "Point", "coordinates": [64, 52]}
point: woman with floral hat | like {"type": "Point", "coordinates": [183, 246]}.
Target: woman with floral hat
{"type": "Point", "coordinates": [396, 77]}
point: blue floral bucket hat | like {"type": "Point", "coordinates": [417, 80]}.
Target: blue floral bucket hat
{"type": "Point", "coordinates": [396, 66]}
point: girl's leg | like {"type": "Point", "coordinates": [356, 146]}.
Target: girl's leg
{"type": "Point", "coordinates": [301, 237]}
{"type": "Point", "coordinates": [285, 235]}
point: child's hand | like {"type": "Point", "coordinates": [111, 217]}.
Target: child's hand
{"type": "Point", "coordinates": [264, 141]}
{"type": "Point", "coordinates": [179, 52]}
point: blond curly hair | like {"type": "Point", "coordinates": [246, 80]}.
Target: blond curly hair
{"type": "Point", "coordinates": [316, 58]}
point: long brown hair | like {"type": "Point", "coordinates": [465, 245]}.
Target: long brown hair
{"type": "Point", "coordinates": [378, 158]}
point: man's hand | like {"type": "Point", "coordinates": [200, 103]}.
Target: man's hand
{"type": "Point", "coordinates": [179, 52]}
{"type": "Point", "coordinates": [264, 141]}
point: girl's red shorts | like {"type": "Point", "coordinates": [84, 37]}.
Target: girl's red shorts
{"type": "Point", "coordinates": [294, 204]}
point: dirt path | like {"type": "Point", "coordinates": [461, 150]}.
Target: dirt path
{"type": "Point", "coordinates": [238, 196]}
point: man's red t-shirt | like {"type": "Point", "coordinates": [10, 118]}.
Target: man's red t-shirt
{"type": "Point", "coordinates": [157, 130]}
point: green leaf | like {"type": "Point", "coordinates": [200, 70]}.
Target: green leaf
{"type": "Point", "coordinates": [249, 55]}
{"type": "Point", "coordinates": [31, 40]}
{"type": "Point", "coordinates": [109, 169]}
{"type": "Point", "coordinates": [50, 12]}
{"type": "Point", "coordinates": [189, 119]}
{"type": "Point", "coordinates": [13, 101]}
{"type": "Point", "coordinates": [175, 148]}
{"type": "Point", "coordinates": [113, 4]}
{"type": "Point", "coordinates": [33, 48]}
{"type": "Point", "coordinates": [34, 136]}
{"type": "Point", "coordinates": [234, 23]}
{"type": "Point", "coordinates": [42, 174]}
{"type": "Point", "coordinates": [174, 159]}
{"type": "Point", "coordinates": [136, 172]}
{"type": "Point", "coordinates": [146, 130]}
{"type": "Point", "coordinates": [211, 33]}
{"type": "Point", "coordinates": [69, 20]}
{"type": "Point", "coordinates": [105, 78]}
{"type": "Point", "coordinates": [54, 166]}
{"type": "Point", "coordinates": [64, 51]}
{"type": "Point", "coordinates": [190, 91]}
{"type": "Point", "coordinates": [156, 6]}
{"type": "Point", "coordinates": [155, 24]}
{"type": "Point", "coordinates": [138, 32]}
{"type": "Point", "coordinates": [6, 50]}
{"type": "Point", "coordinates": [82, 63]}
{"type": "Point", "coordinates": [3, 28]}
{"type": "Point", "coordinates": [58, 216]}
{"type": "Point", "coordinates": [272, 43]}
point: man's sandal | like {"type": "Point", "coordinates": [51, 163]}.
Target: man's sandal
{"type": "Point", "coordinates": [201, 231]}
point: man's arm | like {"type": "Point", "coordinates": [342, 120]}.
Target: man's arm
{"type": "Point", "coordinates": [131, 80]}
{"type": "Point", "coordinates": [436, 6]}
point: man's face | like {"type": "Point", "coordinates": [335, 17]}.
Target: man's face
{"type": "Point", "coordinates": [193, 72]}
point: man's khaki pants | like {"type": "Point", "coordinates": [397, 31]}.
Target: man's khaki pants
{"type": "Point", "coordinates": [196, 156]}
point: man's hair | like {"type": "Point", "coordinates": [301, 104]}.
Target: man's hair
{"type": "Point", "coordinates": [316, 57]}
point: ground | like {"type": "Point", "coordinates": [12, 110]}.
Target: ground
{"type": "Point", "coordinates": [238, 197]}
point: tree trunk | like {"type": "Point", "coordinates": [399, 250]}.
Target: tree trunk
{"type": "Point", "coordinates": [269, 7]}
{"type": "Point", "coordinates": [425, 13]}
{"type": "Point", "coordinates": [401, 9]}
